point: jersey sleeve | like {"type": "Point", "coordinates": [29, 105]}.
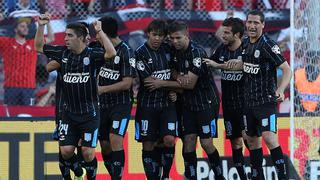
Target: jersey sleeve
{"type": "Point", "coordinates": [128, 65]}
{"type": "Point", "coordinates": [196, 65]}
{"type": "Point", "coordinates": [215, 55]}
{"type": "Point", "coordinates": [142, 67]}
{"type": "Point", "coordinates": [273, 53]}
{"type": "Point", "coordinates": [53, 52]}
{"type": "Point", "coordinates": [98, 54]}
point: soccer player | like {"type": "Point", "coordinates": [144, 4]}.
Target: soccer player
{"type": "Point", "coordinates": [78, 66]}
{"type": "Point", "coordinates": [200, 101]}
{"type": "Point", "coordinates": [156, 116]}
{"type": "Point", "coordinates": [232, 87]}
{"type": "Point", "coordinates": [116, 98]}
{"type": "Point", "coordinates": [260, 59]}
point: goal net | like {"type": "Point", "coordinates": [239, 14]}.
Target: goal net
{"type": "Point", "coordinates": [305, 114]}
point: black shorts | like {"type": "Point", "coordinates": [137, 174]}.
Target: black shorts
{"type": "Point", "coordinates": [233, 122]}
{"type": "Point", "coordinates": [114, 120]}
{"type": "Point", "coordinates": [202, 123]}
{"type": "Point", "coordinates": [152, 124]}
{"type": "Point", "coordinates": [74, 127]}
{"type": "Point", "coordinates": [259, 119]}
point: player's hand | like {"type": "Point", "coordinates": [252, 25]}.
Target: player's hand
{"type": "Point", "coordinates": [100, 90]}
{"type": "Point", "coordinates": [279, 95]}
{"type": "Point", "coordinates": [173, 96]}
{"type": "Point", "coordinates": [153, 83]}
{"type": "Point", "coordinates": [44, 19]}
{"type": "Point", "coordinates": [97, 26]}
{"type": "Point", "coordinates": [232, 63]}
{"type": "Point", "coordinates": [184, 80]}
{"type": "Point", "coordinates": [210, 62]}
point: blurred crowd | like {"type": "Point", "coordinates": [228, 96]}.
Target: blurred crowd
{"type": "Point", "coordinates": [41, 82]}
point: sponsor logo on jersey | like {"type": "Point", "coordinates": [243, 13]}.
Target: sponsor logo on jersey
{"type": "Point", "coordinates": [197, 62]}
{"type": "Point", "coordinates": [276, 49]}
{"type": "Point", "coordinates": [251, 68]}
{"type": "Point", "coordinates": [140, 66]}
{"type": "Point", "coordinates": [231, 75]}
{"type": "Point", "coordinates": [163, 74]}
{"type": "Point", "coordinates": [132, 62]}
{"type": "Point", "coordinates": [76, 77]}
{"type": "Point", "coordinates": [109, 73]}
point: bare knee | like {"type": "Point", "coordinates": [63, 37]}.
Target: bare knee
{"type": "Point", "coordinates": [254, 142]}
{"type": "Point", "coordinates": [169, 141]}
{"type": "Point", "coordinates": [105, 147]}
{"type": "Point", "coordinates": [88, 153]}
{"type": "Point", "coordinates": [207, 145]}
{"type": "Point", "coordinates": [236, 143]}
{"type": "Point", "coordinates": [148, 145]}
{"type": "Point", "coordinates": [116, 142]}
{"type": "Point", "coordinates": [67, 151]}
{"type": "Point", "coordinates": [271, 139]}
{"type": "Point", "coordinates": [189, 143]}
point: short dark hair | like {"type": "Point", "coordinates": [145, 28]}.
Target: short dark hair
{"type": "Point", "coordinates": [236, 25]}
{"type": "Point", "coordinates": [79, 29]}
{"type": "Point", "coordinates": [257, 13]}
{"type": "Point", "coordinates": [177, 26]}
{"type": "Point", "coordinates": [158, 25]}
{"type": "Point", "coordinates": [109, 26]}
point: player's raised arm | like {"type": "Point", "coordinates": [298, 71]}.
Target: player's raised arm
{"type": "Point", "coordinates": [110, 51]}
{"type": "Point", "coordinates": [43, 19]}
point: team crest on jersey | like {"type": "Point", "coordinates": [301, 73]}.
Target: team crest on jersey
{"type": "Point", "coordinates": [140, 66]}
{"type": "Point", "coordinates": [132, 62]}
{"type": "Point", "coordinates": [197, 62]}
{"type": "Point", "coordinates": [221, 58]}
{"type": "Point", "coordinates": [186, 63]}
{"type": "Point", "coordinates": [87, 137]}
{"type": "Point", "coordinates": [86, 61]}
{"type": "Point", "coordinates": [256, 53]}
{"type": "Point", "coordinates": [276, 49]}
{"type": "Point", "coordinates": [168, 56]}
{"type": "Point", "coordinates": [265, 122]}
{"type": "Point", "coordinates": [65, 60]}
{"type": "Point", "coordinates": [28, 47]}
{"type": "Point", "coordinates": [206, 129]}
{"type": "Point", "coordinates": [150, 61]}
{"type": "Point", "coordinates": [116, 60]}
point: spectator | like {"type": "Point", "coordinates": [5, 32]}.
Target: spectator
{"type": "Point", "coordinates": [80, 7]}
{"type": "Point", "coordinates": [276, 4]}
{"type": "Point", "coordinates": [24, 8]}
{"type": "Point", "coordinates": [57, 8]}
{"type": "Point", "coordinates": [19, 59]}
{"type": "Point", "coordinates": [307, 83]}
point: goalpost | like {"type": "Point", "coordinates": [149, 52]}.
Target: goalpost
{"type": "Point", "coordinates": [304, 125]}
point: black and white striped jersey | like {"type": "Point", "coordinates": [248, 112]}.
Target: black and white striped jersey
{"type": "Point", "coordinates": [231, 81]}
{"type": "Point", "coordinates": [79, 74]}
{"type": "Point", "coordinates": [113, 71]}
{"type": "Point", "coordinates": [204, 95]}
{"type": "Point", "coordinates": [153, 63]}
{"type": "Point", "coordinates": [260, 62]}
